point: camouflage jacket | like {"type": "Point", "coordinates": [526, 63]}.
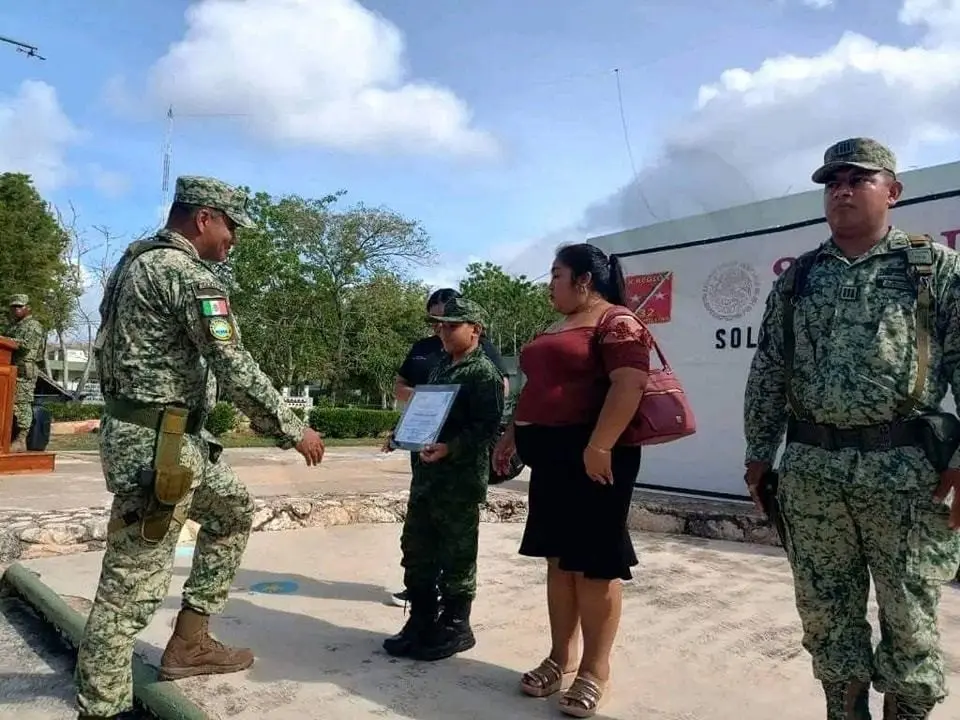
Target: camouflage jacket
{"type": "Point", "coordinates": [469, 432]}
{"type": "Point", "coordinates": [171, 328]}
{"type": "Point", "coordinates": [31, 340]}
{"type": "Point", "coordinates": [856, 354]}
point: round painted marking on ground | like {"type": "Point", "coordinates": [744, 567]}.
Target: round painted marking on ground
{"type": "Point", "coordinates": [275, 587]}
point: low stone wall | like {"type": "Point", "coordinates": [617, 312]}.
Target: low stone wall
{"type": "Point", "coordinates": [26, 534]}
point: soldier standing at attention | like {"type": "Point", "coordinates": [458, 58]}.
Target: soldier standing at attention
{"type": "Point", "coordinates": [28, 333]}
{"type": "Point", "coordinates": [441, 528]}
{"type": "Point", "coordinates": [859, 341]}
{"type": "Point", "coordinates": [166, 334]}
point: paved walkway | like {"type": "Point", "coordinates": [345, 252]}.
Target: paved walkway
{"type": "Point", "coordinates": [78, 481]}
{"type": "Point", "coordinates": [709, 633]}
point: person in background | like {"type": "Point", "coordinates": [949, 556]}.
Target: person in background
{"type": "Point", "coordinates": [422, 358]}
{"type": "Point", "coordinates": [442, 523]}
{"type": "Point", "coordinates": [571, 427]}
{"type": "Point", "coordinates": [30, 337]}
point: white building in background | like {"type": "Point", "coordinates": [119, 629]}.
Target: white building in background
{"type": "Point", "coordinates": [701, 283]}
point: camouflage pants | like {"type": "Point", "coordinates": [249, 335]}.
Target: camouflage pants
{"type": "Point", "coordinates": [23, 405]}
{"type": "Point", "coordinates": [851, 517]}
{"type": "Point", "coordinates": [136, 576]}
{"type": "Point", "coordinates": [439, 545]}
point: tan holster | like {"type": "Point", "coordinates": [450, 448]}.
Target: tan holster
{"type": "Point", "coordinates": [172, 481]}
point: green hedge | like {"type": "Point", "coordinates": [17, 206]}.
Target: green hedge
{"type": "Point", "coordinates": [352, 422]}
{"type": "Point", "coordinates": [329, 422]}
{"type": "Point", "coordinates": [222, 419]}
{"type": "Point", "coordinates": [73, 411]}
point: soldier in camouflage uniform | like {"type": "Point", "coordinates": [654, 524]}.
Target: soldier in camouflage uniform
{"type": "Point", "coordinates": [440, 531]}
{"type": "Point", "coordinates": [167, 338]}
{"type": "Point", "coordinates": [858, 494]}
{"type": "Point", "coordinates": [28, 333]}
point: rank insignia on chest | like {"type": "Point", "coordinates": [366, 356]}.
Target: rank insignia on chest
{"type": "Point", "coordinates": [849, 293]}
{"type": "Point", "coordinates": [920, 256]}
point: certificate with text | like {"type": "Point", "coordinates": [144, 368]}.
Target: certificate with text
{"type": "Point", "coordinates": [424, 416]}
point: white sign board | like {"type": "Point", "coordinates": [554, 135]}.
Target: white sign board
{"type": "Point", "coordinates": [704, 302]}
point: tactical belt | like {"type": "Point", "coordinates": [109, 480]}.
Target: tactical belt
{"type": "Point", "coordinates": [148, 416]}
{"type": "Point", "coordinates": [865, 438]}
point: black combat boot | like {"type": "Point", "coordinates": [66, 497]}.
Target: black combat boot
{"type": "Point", "coordinates": [847, 700]}
{"type": "Point", "coordinates": [423, 606]}
{"type": "Point", "coordinates": [898, 708]}
{"type": "Point", "coordinates": [451, 634]}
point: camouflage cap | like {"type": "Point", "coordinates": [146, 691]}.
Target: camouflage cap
{"type": "Point", "coordinates": [461, 310]}
{"type": "Point", "coordinates": [19, 300]}
{"type": "Point", "coordinates": [212, 193]}
{"type": "Point", "coordinates": [863, 153]}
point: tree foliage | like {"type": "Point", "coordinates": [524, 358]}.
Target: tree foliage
{"type": "Point", "coordinates": [518, 308]}
{"type": "Point", "coordinates": [33, 251]}
{"type": "Point", "coordinates": [306, 281]}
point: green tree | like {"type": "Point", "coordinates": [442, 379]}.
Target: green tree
{"type": "Point", "coordinates": [294, 279]}
{"type": "Point", "coordinates": [388, 317]}
{"type": "Point", "coordinates": [33, 251]}
{"type": "Point", "coordinates": [518, 308]}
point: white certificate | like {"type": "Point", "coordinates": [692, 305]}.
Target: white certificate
{"type": "Point", "coordinates": [424, 416]}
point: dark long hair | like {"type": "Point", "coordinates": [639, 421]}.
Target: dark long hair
{"type": "Point", "coordinates": [606, 273]}
{"type": "Point", "coordinates": [442, 297]}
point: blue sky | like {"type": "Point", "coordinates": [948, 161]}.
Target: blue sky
{"type": "Point", "coordinates": [541, 143]}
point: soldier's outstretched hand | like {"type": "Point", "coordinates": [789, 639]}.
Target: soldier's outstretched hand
{"type": "Point", "coordinates": [311, 447]}
{"type": "Point", "coordinates": [950, 480]}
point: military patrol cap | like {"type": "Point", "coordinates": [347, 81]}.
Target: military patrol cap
{"type": "Point", "coordinates": [212, 193]}
{"type": "Point", "coordinates": [19, 300]}
{"type": "Point", "coordinates": [461, 310]}
{"type": "Point", "coordinates": [864, 153]}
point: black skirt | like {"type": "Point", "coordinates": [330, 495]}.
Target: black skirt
{"type": "Point", "coordinates": [571, 517]}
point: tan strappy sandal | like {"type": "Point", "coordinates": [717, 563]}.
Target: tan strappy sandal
{"type": "Point", "coordinates": [546, 679]}
{"type": "Point", "coordinates": [583, 698]}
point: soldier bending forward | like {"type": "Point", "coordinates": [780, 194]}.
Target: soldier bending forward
{"type": "Point", "coordinates": [166, 334]}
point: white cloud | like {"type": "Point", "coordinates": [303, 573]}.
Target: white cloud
{"type": "Point", "coordinates": [35, 134]}
{"type": "Point", "coordinates": [326, 73]}
{"type": "Point", "coordinates": [110, 183]}
{"type": "Point", "coordinates": [756, 134]}
{"type": "Point", "coordinates": [818, 4]}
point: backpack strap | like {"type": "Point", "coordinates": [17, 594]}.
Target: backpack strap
{"type": "Point", "coordinates": [919, 258]}
{"type": "Point", "coordinates": [794, 281]}
{"type": "Point", "coordinates": [112, 292]}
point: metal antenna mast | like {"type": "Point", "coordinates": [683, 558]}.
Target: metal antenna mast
{"type": "Point", "coordinates": [28, 50]}
{"type": "Point", "coordinates": [167, 153]}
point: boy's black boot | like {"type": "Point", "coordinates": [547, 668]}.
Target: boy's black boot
{"type": "Point", "coordinates": [423, 606]}
{"type": "Point", "coordinates": [847, 700]}
{"type": "Point", "coordinates": [452, 633]}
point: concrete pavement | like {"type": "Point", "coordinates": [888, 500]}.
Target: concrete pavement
{"type": "Point", "coordinates": [78, 481]}
{"type": "Point", "coordinates": [709, 632]}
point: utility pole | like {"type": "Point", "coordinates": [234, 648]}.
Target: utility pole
{"type": "Point", "coordinates": [28, 50]}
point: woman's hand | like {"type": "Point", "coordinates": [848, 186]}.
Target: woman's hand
{"type": "Point", "coordinates": [435, 452]}
{"type": "Point", "coordinates": [504, 451]}
{"type": "Point", "coordinates": [596, 462]}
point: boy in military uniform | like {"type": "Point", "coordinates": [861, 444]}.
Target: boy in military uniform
{"type": "Point", "coordinates": [440, 533]}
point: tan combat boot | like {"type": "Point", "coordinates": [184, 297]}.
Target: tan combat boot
{"type": "Point", "coordinates": [19, 445]}
{"type": "Point", "coordinates": [191, 651]}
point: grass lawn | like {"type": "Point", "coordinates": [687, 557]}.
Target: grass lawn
{"type": "Point", "coordinates": [88, 441]}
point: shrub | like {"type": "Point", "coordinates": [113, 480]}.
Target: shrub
{"type": "Point", "coordinates": [352, 422]}
{"type": "Point", "coordinates": [73, 411]}
{"type": "Point", "coordinates": [222, 419]}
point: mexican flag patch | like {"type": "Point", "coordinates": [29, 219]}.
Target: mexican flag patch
{"type": "Point", "coordinates": [215, 307]}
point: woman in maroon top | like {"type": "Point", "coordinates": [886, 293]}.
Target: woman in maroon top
{"type": "Point", "coordinates": [584, 380]}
